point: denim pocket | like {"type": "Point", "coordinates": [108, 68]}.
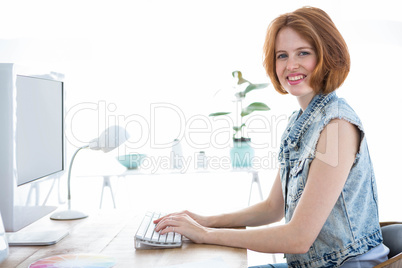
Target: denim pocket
{"type": "Point", "coordinates": [296, 182]}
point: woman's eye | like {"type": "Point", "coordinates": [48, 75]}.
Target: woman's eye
{"type": "Point", "coordinates": [281, 56]}
{"type": "Point", "coordinates": [304, 53]}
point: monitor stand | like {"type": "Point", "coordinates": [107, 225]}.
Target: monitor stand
{"type": "Point", "coordinates": [35, 238]}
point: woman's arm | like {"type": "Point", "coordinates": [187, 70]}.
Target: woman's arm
{"type": "Point", "coordinates": [268, 211]}
{"type": "Point", "coordinates": [336, 151]}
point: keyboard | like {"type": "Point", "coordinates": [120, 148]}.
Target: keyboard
{"type": "Point", "coordinates": [146, 237]}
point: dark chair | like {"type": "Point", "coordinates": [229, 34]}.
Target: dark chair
{"type": "Point", "coordinates": [392, 234]}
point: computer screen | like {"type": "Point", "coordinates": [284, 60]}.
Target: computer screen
{"type": "Point", "coordinates": [39, 129]}
{"type": "Point", "coordinates": [32, 144]}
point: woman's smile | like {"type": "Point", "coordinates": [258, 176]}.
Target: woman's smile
{"type": "Point", "coordinates": [294, 79]}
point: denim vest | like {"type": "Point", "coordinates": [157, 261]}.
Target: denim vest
{"type": "Point", "coordinates": [352, 227]}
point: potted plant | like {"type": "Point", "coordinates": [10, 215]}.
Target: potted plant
{"type": "Point", "coordinates": [242, 153]}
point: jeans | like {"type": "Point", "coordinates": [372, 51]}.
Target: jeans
{"type": "Point", "coordinates": [277, 265]}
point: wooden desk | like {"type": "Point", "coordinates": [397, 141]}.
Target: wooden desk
{"type": "Point", "coordinates": [112, 233]}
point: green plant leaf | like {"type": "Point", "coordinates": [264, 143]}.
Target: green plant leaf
{"type": "Point", "coordinates": [252, 87]}
{"type": "Point", "coordinates": [240, 95]}
{"type": "Point", "coordinates": [255, 106]}
{"type": "Point", "coordinates": [239, 128]}
{"type": "Point", "coordinates": [220, 113]}
{"type": "Point", "coordinates": [239, 75]}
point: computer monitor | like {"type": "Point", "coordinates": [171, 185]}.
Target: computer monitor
{"type": "Point", "coordinates": [32, 142]}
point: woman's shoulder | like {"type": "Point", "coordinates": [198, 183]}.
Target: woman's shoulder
{"type": "Point", "coordinates": [339, 108]}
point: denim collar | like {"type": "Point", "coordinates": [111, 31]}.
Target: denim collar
{"type": "Point", "coordinates": [305, 118]}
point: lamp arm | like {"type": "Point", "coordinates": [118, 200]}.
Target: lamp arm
{"type": "Point", "coordinates": [69, 175]}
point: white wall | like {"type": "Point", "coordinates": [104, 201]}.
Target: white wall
{"type": "Point", "coordinates": [121, 57]}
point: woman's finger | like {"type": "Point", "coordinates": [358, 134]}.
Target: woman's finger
{"type": "Point", "coordinates": [167, 216]}
{"type": "Point", "coordinates": [161, 218]}
{"type": "Point", "coordinates": [169, 229]}
{"type": "Point", "coordinates": [166, 222]}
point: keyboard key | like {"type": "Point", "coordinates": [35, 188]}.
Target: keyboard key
{"type": "Point", "coordinates": [149, 232]}
{"type": "Point", "coordinates": [155, 237]}
{"type": "Point", "coordinates": [144, 226]}
{"type": "Point", "coordinates": [177, 238]}
{"type": "Point", "coordinates": [170, 237]}
{"type": "Point", "coordinates": [162, 238]}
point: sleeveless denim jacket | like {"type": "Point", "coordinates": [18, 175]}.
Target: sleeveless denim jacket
{"type": "Point", "coordinates": [352, 227]}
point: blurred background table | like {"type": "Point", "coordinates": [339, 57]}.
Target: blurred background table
{"type": "Point", "coordinates": [138, 172]}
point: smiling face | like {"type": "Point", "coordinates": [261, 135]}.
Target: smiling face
{"type": "Point", "coordinates": [295, 61]}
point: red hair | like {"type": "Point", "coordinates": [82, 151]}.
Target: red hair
{"type": "Point", "coordinates": [313, 24]}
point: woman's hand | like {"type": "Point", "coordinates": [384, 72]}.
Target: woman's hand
{"type": "Point", "coordinates": [185, 223]}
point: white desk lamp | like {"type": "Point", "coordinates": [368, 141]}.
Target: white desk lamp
{"type": "Point", "coordinates": [110, 139]}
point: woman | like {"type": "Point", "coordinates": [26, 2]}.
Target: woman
{"type": "Point", "coordinates": [325, 187]}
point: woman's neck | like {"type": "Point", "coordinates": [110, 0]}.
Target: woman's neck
{"type": "Point", "coordinates": [305, 100]}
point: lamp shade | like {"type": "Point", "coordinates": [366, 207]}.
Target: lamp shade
{"type": "Point", "coordinates": [110, 139]}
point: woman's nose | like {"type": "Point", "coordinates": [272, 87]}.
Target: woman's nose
{"type": "Point", "coordinates": [292, 64]}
